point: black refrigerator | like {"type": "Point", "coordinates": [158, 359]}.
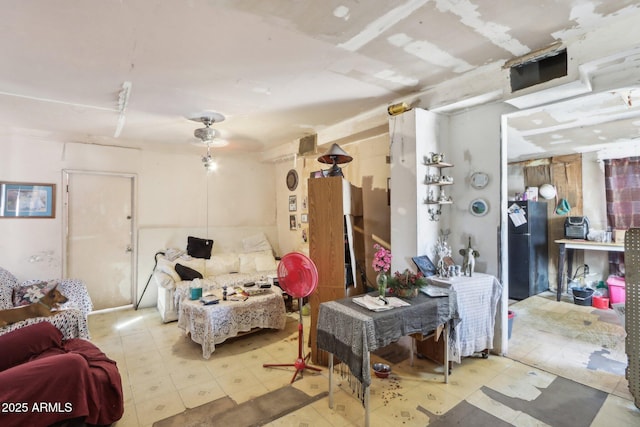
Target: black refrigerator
{"type": "Point", "coordinates": [528, 250]}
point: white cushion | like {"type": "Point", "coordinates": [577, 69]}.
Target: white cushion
{"type": "Point", "coordinates": [257, 242]}
{"type": "Point", "coordinates": [164, 280]}
{"type": "Point", "coordinates": [248, 261]}
{"type": "Point", "coordinates": [223, 264]}
{"type": "Point", "coordinates": [265, 262]}
{"type": "Point", "coordinates": [168, 267]}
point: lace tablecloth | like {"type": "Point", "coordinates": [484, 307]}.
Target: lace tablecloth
{"type": "Point", "coordinates": [209, 325]}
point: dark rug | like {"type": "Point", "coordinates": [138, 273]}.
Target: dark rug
{"type": "Point", "coordinates": [255, 412]}
{"type": "Point", "coordinates": [564, 403]}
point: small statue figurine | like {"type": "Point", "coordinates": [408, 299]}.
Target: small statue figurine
{"type": "Point", "coordinates": [437, 157]}
{"type": "Point", "coordinates": [469, 261]}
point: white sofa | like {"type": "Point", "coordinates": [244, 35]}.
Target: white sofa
{"type": "Point", "coordinates": [253, 261]}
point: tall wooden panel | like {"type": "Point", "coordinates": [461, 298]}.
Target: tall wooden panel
{"type": "Point", "coordinates": [334, 206]}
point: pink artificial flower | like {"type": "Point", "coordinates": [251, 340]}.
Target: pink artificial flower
{"type": "Point", "coordinates": [381, 259]}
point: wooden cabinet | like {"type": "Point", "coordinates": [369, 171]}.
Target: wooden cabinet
{"type": "Point", "coordinates": [335, 243]}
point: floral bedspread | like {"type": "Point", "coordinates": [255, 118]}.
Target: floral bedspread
{"type": "Point", "coordinates": [71, 322]}
{"type": "Point", "coordinates": [71, 319]}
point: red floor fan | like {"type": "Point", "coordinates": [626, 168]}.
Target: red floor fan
{"type": "Point", "coordinates": [298, 277]}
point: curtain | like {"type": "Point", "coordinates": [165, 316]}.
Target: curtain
{"type": "Point", "coordinates": [622, 185]}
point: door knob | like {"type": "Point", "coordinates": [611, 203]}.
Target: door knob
{"type": "Point", "coordinates": [129, 249]}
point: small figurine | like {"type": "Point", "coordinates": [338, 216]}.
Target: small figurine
{"type": "Point", "coordinates": [469, 261]}
{"type": "Point", "coordinates": [437, 157]}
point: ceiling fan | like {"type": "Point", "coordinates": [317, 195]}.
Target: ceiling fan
{"type": "Point", "coordinates": [209, 136]}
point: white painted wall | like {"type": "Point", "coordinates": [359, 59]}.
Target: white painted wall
{"type": "Point", "coordinates": [474, 146]}
{"type": "Point", "coordinates": [368, 166]}
{"type": "Point", "coordinates": [414, 135]}
{"type": "Point", "coordinates": [32, 248]}
{"type": "Point", "coordinates": [291, 240]}
{"type": "Point", "coordinates": [173, 191]}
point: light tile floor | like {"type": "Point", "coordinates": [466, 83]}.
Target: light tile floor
{"type": "Point", "coordinates": [163, 373]}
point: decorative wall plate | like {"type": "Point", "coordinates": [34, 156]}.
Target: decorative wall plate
{"type": "Point", "coordinates": [479, 180]}
{"type": "Point", "coordinates": [479, 207]}
{"type": "Point", "coordinates": [292, 179]}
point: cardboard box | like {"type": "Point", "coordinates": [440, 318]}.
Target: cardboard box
{"type": "Point", "coordinates": [618, 236]}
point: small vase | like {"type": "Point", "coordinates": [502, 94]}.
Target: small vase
{"type": "Point", "coordinates": [381, 281]}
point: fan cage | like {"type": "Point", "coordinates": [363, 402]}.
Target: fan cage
{"type": "Point", "coordinates": [297, 275]}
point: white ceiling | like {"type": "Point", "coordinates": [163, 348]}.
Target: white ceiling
{"type": "Point", "coordinates": [277, 70]}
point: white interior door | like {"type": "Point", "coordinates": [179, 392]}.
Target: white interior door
{"type": "Point", "coordinates": [99, 238]}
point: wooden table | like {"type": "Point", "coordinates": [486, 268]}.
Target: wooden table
{"type": "Point", "coordinates": [351, 332]}
{"type": "Point", "coordinates": [566, 248]}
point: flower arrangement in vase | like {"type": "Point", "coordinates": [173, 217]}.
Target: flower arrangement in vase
{"type": "Point", "coordinates": [407, 283]}
{"type": "Point", "coordinates": [381, 264]}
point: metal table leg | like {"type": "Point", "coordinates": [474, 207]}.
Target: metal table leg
{"type": "Point", "coordinates": [331, 380]}
{"type": "Point", "coordinates": [446, 353]}
{"type": "Point", "coordinates": [366, 407]}
{"type": "Point", "coordinates": [561, 255]}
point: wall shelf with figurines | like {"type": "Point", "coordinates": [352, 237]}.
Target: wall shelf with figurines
{"type": "Point", "coordinates": [437, 180]}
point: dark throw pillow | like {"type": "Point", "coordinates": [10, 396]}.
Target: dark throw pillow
{"type": "Point", "coordinates": [199, 248]}
{"type": "Point", "coordinates": [187, 273]}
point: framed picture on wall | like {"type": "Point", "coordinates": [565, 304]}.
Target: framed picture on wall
{"type": "Point", "coordinates": [304, 218]}
{"type": "Point", "coordinates": [293, 224]}
{"type": "Point", "coordinates": [27, 200]}
{"type": "Point", "coordinates": [293, 204]}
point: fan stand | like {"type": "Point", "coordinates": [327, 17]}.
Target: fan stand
{"type": "Point", "coordinates": [301, 362]}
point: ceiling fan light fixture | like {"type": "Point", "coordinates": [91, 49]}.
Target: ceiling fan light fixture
{"type": "Point", "coordinates": [209, 136]}
{"type": "Point", "coordinates": [208, 118]}
{"type": "Point", "coordinates": [209, 161]}
{"type": "Point", "coordinates": [206, 133]}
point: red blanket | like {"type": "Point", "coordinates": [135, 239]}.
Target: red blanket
{"type": "Point", "coordinates": [44, 380]}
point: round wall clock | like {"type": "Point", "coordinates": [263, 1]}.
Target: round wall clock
{"type": "Point", "coordinates": [479, 180]}
{"type": "Point", "coordinates": [292, 179]}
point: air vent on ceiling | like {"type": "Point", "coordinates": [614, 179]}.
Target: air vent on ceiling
{"type": "Point", "coordinates": [538, 70]}
{"type": "Point", "coordinates": [308, 145]}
